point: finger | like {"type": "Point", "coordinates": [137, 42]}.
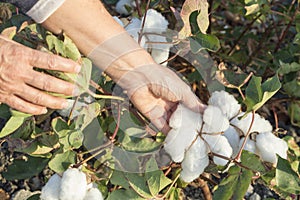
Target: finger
{"type": "Point", "coordinates": [49, 83]}
{"type": "Point", "coordinates": [40, 98]}
{"type": "Point", "coordinates": [26, 107]}
{"type": "Point", "coordinates": [190, 100]}
{"type": "Point", "coordinates": [53, 62]}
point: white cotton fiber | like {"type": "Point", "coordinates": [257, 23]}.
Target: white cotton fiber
{"type": "Point", "coordinates": [93, 194]}
{"type": "Point", "coordinates": [233, 138]}
{"type": "Point", "coordinates": [226, 102]}
{"type": "Point", "coordinates": [195, 161]}
{"type": "Point", "coordinates": [155, 22]}
{"type": "Point", "coordinates": [218, 144]}
{"type": "Point", "coordinates": [185, 124]}
{"type": "Point", "coordinates": [73, 185]}
{"type": "Point", "coordinates": [121, 6]}
{"type": "Point", "coordinates": [249, 146]}
{"type": "Point", "coordinates": [269, 145]}
{"type": "Point", "coordinates": [214, 120]}
{"type": "Point", "coordinates": [260, 125]}
{"type": "Point", "coordinates": [52, 188]}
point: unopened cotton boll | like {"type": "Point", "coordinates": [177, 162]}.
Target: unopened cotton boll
{"type": "Point", "coordinates": [249, 146]}
{"type": "Point", "coordinates": [121, 6]}
{"type": "Point", "coordinates": [195, 161]}
{"type": "Point", "coordinates": [269, 145]}
{"type": "Point", "coordinates": [233, 138]}
{"type": "Point", "coordinates": [93, 194]}
{"type": "Point", "coordinates": [218, 144]}
{"type": "Point", "coordinates": [260, 125]}
{"type": "Point", "coordinates": [214, 120]}
{"type": "Point", "coordinates": [52, 188]}
{"type": "Point", "coordinates": [185, 124]}
{"type": "Point", "coordinates": [73, 185]}
{"type": "Point", "coordinates": [226, 102]}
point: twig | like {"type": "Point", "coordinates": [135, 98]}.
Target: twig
{"type": "Point", "coordinates": [275, 117]}
{"type": "Point", "coordinates": [72, 110]}
{"type": "Point", "coordinates": [246, 137]}
{"type": "Point", "coordinates": [169, 189]}
{"type": "Point", "coordinates": [97, 87]}
{"type": "Point", "coordinates": [242, 34]}
{"type": "Point", "coordinates": [205, 189]}
{"type": "Point", "coordinates": [118, 124]}
{"type": "Point", "coordinates": [143, 23]}
{"type": "Point", "coordinates": [137, 4]}
{"type": "Point", "coordinates": [102, 96]}
{"type": "Point", "coordinates": [284, 32]}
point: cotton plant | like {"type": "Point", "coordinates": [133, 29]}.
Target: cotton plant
{"type": "Point", "coordinates": [221, 130]}
{"type": "Point", "coordinates": [71, 186]}
{"type": "Point", "coordinates": [125, 7]}
{"type": "Point", "coordinates": [154, 27]}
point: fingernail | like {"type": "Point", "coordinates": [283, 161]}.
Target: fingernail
{"type": "Point", "coordinates": [44, 110]}
{"type": "Point", "coordinates": [77, 68]}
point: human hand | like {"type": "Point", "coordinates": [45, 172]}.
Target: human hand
{"type": "Point", "coordinates": [22, 88]}
{"type": "Point", "coordinates": [156, 90]}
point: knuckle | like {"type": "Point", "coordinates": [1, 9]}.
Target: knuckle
{"type": "Point", "coordinates": [51, 61]}
{"type": "Point", "coordinates": [38, 98]}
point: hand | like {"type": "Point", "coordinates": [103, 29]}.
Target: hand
{"type": "Point", "coordinates": [22, 88]}
{"type": "Point", "coordinates": [156, 91]}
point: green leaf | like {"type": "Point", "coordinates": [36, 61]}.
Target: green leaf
{"type": "Point", "coordinates": [174, 194]}
{"type": "Point", "coordinates": [287, 179]}
{"type": "Point", "coordinates": [294, 113]}
{"type": "Point", "coordinates": [5, 111]}
{"type": "Point", "coordinates": [204, 41]}
{"type": "Point", "coordinates": [118, 178]}
{"type": "Point", "coordinates": [292, 88]}
{"type": "Point", "coordinates": [286, 68]}
{"type": "Point", "coordinates": [34, 197]}
{"type": "Point", "coordinates": [252, 161]}
{"type": "Point", "coordinates": [76, 139]}
{"type": "Point", "coordinates": [87, 115]}
{"type": "Point", "coordinates": [55, 44]}
{"type": "Point", "coordinates": [258, 94]}
{"type": "Point", "coordinates": [235, 185]}
{"type": "Point", "coordinates": [124, 194]}
{"type": "Point", "coordinates": [13, 124]}
{"type": "Point", "coordinates": [155, 178]}
{"type": "Point", "coordinates": [23, 169]}
{"type": "Point", "coordinates": [61, 161]}
{"type": "Point", "coordinates": [139, 184]}
{"type": "Point", "coordinates": [71, 51]}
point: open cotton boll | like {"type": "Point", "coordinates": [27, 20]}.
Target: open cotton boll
{"type": "Point", "coordinates": [233, 138]}
{"type": "Point", "coordinates": [121, 6]}
{"type": "Point", "coordinates": [133, 28]}
{"type": "Point", "coordinates": [249, 146]}
{"type": "Point", "coordinates": [159, 48]}
{"type": "Point", "coordinates": [260, 125]}
{"type": "Point", "coordinates": [218, 144]}
{"type": "Point", "coordinates": [93, 194]}
{"type": "Point", "coordinates": [184, 124]}
{"type": "Point", "coordinates": [52, 188]}
{"type": "Point", "coordinates": [269, 145]}
{"type": "Point", "coordinates": [226, 102]}
{"type": "Point", "coordinates": [155, 22]}
{"type": "Point", "coordinates": [195, 161]}
{"type": "Point", "coordinates": [214, 120]}
{"type": "Point", "coordinates": [73, 185]}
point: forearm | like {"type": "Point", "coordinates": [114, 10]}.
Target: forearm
{"type": "Point", "coordinates": [97, 34]}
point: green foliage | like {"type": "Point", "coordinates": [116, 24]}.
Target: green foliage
{"type": "Point", "coordinates": [257, 93]}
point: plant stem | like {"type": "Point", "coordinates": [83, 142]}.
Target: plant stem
{"type": "Point", "coordinates": [103, 96]}
{"type": "Point", "coordinates": [118, 124]}
{"type": "Point", "coordinates": [143, 23]}
{"type": "Point", "coordinates": [169, 189]}
{"type": "Point", "coordinates": [246, 137]}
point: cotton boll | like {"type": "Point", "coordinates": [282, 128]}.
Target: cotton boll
{"type": "Point", "coordinates": [155, 22]}
{"type": "Point", "coordinates": [118, 20]}
{"type": "Point", "coordinates": [93, 194]}
{"type": "Point", "coordinates": [226, 102]}
{"type": "Point", "coordinates": [159, 48]}
{"type": "Point", "coordinates": [218, 144]}
{"type": "Point", "coordinates": [121, 6]}
{"type": "Point", "coordinates": [249, 146]}
{"type": "Point", "coordinates": [269, 145]}
{"type": "Point", "coordinates": [259, 125]}
{"type": "Point", "coordinates": [52, 188]}
{"type": "Point", "coordinates": [214, 120]}
{"type": "Point", "coordinates": [73, 185]}
{"type": "Point", "coordinates": [133, 28]}
{"type": "Point", "coordinates": [195, 161]}
{"type": "Point", "coordinates": [233, 138]}
{"type": "Point", "coordinates": [184, 124]}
